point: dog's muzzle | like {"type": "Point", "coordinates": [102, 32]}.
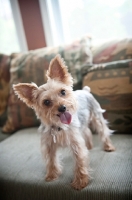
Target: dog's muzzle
{"type": "Point", "coordinates": [62, 108]}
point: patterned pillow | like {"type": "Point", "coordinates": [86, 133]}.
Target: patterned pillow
{"type": "Point", "coordinates": [31, 67]}
{"type": "Point", "coordinates": [111, 84]}
{"type": "Point", "coordinates": [4, 86]}
{"type": "Point", "coordinates": [113, 51]}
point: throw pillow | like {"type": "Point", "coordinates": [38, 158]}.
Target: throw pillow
{"type": "Point", "coordinates": [31, 67]}
{"type": "Point", "coordinates": [4, 86]}
{"type": "Point", "coordinates": [113, 51]}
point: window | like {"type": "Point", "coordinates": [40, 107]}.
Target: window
{"type": "Point", "coordinates": [102, 19]}
{"type": "Point", "coordinates": [12, 37]}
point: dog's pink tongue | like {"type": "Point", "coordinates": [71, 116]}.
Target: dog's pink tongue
{"type": "Point", "coordinates": [65, 118]}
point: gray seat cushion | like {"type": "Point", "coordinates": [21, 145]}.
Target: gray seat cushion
{"type": "Point", "coordinates": [22, 170]}
{"type": "Point", "coordinates": [3, 136]}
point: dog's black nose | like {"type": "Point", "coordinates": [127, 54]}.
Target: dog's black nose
{"type": "Point", "coordinates": [62, 108]}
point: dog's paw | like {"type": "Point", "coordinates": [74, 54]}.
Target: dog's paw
{"type": "Point", "coordinates": [51, 177]}
{"type": "Point", "coordinates": [80, 183]}
{"type": "Point", "coordinates": [53, 174]}
{"type": "Point", "coordinates": [109, 148]}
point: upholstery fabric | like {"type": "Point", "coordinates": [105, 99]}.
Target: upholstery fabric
{"type": "Point", "coordinates": [31, 66]}
{"type": "Point", "coordinates": [114, 50]}
{"type": "Point", "coordinates": [111, 84]}
{"type": "Point", "coordinates": [3, 136]}
{"type": "Point", "coordinates": [4, 86]}
{"type": "Point", "coordinates": [22, 170]}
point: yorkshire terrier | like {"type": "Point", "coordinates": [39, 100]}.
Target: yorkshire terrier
{"type": "Point", "coordinates": [67, 118]}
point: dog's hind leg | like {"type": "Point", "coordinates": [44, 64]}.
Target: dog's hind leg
{"type": "Point", "coordinates": [99, 124]}
{"type": "Point", "coordinates": [97, 121]}
{"type": "Point", "coordinates": [88, 138]}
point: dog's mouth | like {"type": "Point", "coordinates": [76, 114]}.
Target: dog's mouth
{"type": "Point", "coordinates": [65, 117]}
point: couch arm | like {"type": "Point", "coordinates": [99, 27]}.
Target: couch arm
{"type": "Point", "coordinates": [111, 84]}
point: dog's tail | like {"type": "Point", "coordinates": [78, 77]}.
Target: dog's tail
{"type": "Point", "coordinates": [87, 88]}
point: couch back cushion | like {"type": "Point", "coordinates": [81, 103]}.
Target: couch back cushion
{"type": "Point", "coordinates": [4, 86]}
{"type": "Point", "coordinates": [32, 66]}
{"type": "Point", "coordinates": [113, 50]}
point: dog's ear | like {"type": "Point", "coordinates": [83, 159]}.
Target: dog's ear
{"type": "Point", "coordinates": [58, 71]}
{"type": "Point", "coordinates": [26, 92]}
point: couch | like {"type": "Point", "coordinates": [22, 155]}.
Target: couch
{"type": "Point", "coordinates": [107, 69]}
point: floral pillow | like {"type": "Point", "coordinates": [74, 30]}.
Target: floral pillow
{"type": "Point", "coordinates": [32, 66]}
{"type": "Point", "coordinates": [113, 51]}
{"type": "Point", "coordinates": [4, 86]}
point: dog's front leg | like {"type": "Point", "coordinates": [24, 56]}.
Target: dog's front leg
{"type": "Point", "coordinates": [80, 152]}
{"type": "Point", "coordinates": [52, 162]}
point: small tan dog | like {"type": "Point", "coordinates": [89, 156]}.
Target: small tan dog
{"type": "Point", "coordinates": [66, 116]}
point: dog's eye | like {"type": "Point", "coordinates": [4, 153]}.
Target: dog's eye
{"type": "Point", "coordinates": [47, 102]}
{"type": "Point", "coordinates": [63, 92]}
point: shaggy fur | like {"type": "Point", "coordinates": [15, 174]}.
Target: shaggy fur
{"type": "Point", "coordinates": [66, 117]}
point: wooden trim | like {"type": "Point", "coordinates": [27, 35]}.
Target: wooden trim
{"type": "Point", "coordinates": [32, 23]}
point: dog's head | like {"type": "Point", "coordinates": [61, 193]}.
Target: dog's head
{"type": "Point", "coordinates": [53, 102]}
